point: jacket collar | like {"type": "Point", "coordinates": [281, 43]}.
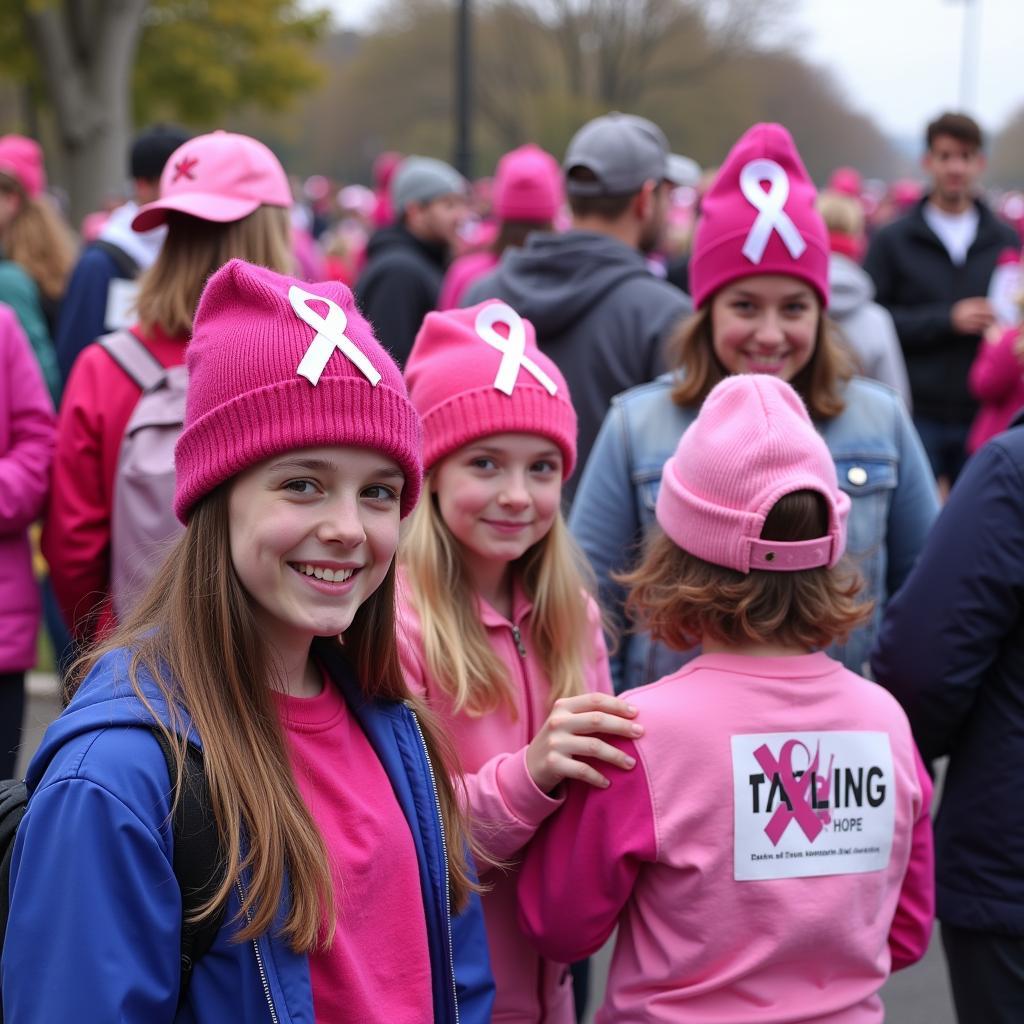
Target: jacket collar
{"type": "Point", "coordinates": [987, 224]}
{"type": "Point", "coordinates": [521, 607]}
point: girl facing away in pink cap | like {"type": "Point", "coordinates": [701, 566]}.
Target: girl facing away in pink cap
{"type": "Point", "coordinates": [340, 888]}
{"type": "Point", "coordinates": [770, 855]}
{"type": "Point", "coordinates": [222, 196]}
{"type": "Point", "coordinates": [499, 631]}
{"type": "Point", "coordinates": [759, 274]}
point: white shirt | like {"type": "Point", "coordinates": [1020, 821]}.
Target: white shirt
{"type": "Point", "coordinates": [956, 231]}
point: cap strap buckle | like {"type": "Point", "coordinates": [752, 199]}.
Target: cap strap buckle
{"type": "Point", "coordinates": [770, 216]}
{"type": "Point", "coordinates": [330, 335]}
{"type": "Point", "coordinates": [512, 348]}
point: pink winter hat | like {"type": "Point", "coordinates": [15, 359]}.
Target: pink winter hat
{"type": "Point", "coordinates": [22, 159]}
{"type": "Point", "coordinates": [751, 444]}
{"type": "Point", "coordinates": [477, 371]}
{"type": "Point", "coordinates": [220, 177]}
{"type": "Point", "coordinates": [276, 364]}
{"type": "Point", "coordinates": [527, 185]}
{"type": "Point", "coordinates": [759, 217]}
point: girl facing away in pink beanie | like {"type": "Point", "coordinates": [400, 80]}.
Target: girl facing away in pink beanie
{"type": "Point", "coordinates": [499, 631]}
{"type": "Point", "coordinates": [770, 855]}
{"type": "Point", "coordinates": [341, 887]}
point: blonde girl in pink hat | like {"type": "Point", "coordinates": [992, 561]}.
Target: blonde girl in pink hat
{"type": "Point", "coordinates": [222, 196]}
{"type": "Point", "coordinates": [770, 856]}
{"type": "Point", "coordinates": [499, 630]}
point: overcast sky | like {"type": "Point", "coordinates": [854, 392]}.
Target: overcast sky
{"type": "Point", "coordinates": [898, 60]}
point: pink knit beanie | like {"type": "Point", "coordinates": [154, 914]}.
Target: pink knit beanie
{"type": "Point", "coordinates": [477, 371]}
{"type": "Point", "coordinates": [527, 185]}
{"type": "Point", "coordinates": [22, 159]}
{"type": "Point", "coordinates": [759, 217]}
{"type": "Point", "coordinates": [751, 444]}
{"type": "Point", "coordinates": [276, 364]}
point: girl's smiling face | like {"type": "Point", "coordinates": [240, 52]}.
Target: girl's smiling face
{"type": "Point", "coordinates": [767, 323]}
{"type": "Point", "coordinates": [313, 533]}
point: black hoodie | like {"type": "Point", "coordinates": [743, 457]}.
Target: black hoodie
{"type": "Point", "coordinates": [599, 314]}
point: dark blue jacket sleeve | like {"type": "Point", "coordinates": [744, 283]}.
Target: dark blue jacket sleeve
{"type": "Point", "coordinates": [474, 982]}
{"type": "Point", "coordinates": [83, 309]}
{"type": "Point", "coordinates": [944, 628]}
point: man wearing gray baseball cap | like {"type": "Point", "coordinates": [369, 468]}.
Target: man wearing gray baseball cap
{"type": "Point", "coordinates": [598, 311]}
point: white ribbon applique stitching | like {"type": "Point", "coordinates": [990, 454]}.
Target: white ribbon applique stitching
{"type": "Point", "coordinates": [771, 215]}
{"type": "Point", "coordinates": [330, 335]}
{"type": "Point", "coordinates": [512, 348]}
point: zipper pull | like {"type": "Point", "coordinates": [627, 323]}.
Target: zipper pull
{"type": "Point", "coordinates": [518, 637]}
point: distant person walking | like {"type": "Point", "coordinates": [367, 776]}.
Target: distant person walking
{"type": "Point", "coordinates": [405, 261]}
{"type": "Point", "coordinates": [931, 270]}
{"type": "Point", "coordinates": [600, 315]}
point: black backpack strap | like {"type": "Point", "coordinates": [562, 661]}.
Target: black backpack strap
{"type": "Point", "coordinates": [126, 266]}
{"type": "Point", "coordinates": [13, 800]}
{"type": "Point", "coordinates": [199, 865]}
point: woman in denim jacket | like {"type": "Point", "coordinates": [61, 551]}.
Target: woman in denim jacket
{"type": "Point", "coordinates": [759, 274]}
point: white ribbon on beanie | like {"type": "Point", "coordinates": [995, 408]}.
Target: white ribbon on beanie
{"type": "Point", "coordinates": [512, 348]}
{"type": "Point", "coordinates": [770, 213]}
{"type": "Point", "coordinates": [330, 335]}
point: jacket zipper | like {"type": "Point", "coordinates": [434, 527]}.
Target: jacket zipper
{"type": "Point", "coordinates": [518, 638]}
{"type": "Point", "coordinates": [259, 960]}
{"type": "Point", "coordinates": [444, 854]}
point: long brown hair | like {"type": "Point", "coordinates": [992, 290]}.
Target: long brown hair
{"type": "Point", "coordinates": [690, 352]}
{"type": "Point", "coordinates": [195, 633]}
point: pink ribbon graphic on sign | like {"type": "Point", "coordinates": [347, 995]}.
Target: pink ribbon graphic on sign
{"type": "Point", "coordinates": [797, 790]}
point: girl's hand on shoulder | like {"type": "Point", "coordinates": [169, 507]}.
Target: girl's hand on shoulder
{"type": "Point", "coordinates": [571, 733]}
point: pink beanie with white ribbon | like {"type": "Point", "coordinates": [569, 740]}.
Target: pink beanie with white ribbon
{"type": "Point", "coordinates": [276, 364]}
{"type": "Point", "coordinates": [751, 444]}
{"type": "Point", "coordinates": [477, 371]}
{"type": "Point", "coordinates": [759, 217]}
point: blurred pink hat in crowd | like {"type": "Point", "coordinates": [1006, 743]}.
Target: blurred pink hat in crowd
{"type": "Point", "coordinates": [527, 185]}
{"type": "Point", "coordinates": [904, 192]}
{"type": "Point", "coordinates": [847, 181]}
{"type": "Point", "coordinates": [220, 177]}
{"type": "Point", "coordinates": [22, 159]}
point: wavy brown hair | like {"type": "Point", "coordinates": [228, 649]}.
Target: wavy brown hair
{"type": "Point", "coordinates": [39, 241]}
{"type": "Point", "coordinates": [196, 635]}
{"type": "Point", "coordinates": [820, 383]}
{"type": "Point", "coordinates": [681, 599]}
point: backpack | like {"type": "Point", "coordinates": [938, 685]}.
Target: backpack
{"type": "Point", "coordinates": [198, 860]}
{"type": "Point", "coordinates": [143, 525]}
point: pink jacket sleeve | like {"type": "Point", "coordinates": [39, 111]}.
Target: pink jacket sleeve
{"type": "Point", "coordinates": [30, 430]}
{"type": "Point", "coordinates": [995, 370]}
{"type": "Point", "coordinates": [911, 929]}
{"type": "Point", "coordinates": [580, 869]}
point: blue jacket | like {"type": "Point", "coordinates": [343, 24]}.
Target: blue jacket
{"type": "Point", "coordinates": [94, 928]}
{"type": "Point", "coordinates": [951, 650]}
{"type": "Point", "coordinates": [879, 461]}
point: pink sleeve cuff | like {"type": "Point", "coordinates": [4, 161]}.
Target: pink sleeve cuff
{"type": "Point", "coordinates": [520, 793]}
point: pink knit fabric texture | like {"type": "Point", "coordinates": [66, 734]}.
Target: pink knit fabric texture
{"type": "Point", "coordinates": [527, 185]}
{"type": "Point", "coordinates": [247, 401]}
{"type": "Point", "coordinates": [22, 159]}
{"type": "Point", "coordinates": [453, 374]}
{"type": "Point", "coordinates": [746, 228]}
{"type": "Point", "coordinates": [751, 444]}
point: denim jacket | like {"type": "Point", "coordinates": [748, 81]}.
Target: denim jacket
{"type": "Point", "coordinates": [879, 461]}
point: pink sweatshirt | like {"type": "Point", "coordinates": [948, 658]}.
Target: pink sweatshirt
{"type": "Point", "coordinates": [745, 887]}
{"type": "Point", "coordinates": [997, 381]}
{"type": "Point", "coordinates": [507, 807]}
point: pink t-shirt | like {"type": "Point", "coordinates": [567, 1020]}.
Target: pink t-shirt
{"type": "Point", "coordinates": [378, 967]}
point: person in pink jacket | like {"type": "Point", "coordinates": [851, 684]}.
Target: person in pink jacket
{"type": "Point", "coordinates": [996, 380]}
{"type": "Point", "coordinates": [499, 631]}
{"type": "Point", "coordinates": [27, 435]}
{"type": "Point", "coordinates": [770, 856]}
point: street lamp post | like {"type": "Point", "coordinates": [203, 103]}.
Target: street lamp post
{"type": "Point", "coordinates": [463, 89]}
{"type": "Point", "coordinates": [969, 55]}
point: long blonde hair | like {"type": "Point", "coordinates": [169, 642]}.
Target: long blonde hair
{"type": "Point", "coordinates": [553, 575]}
{"type": "Point", "coordinates": [196, 635]}
{"type": "Point", "coordinates": [39, 241]}
{"type": "Point", "coordinates": [193, 249]}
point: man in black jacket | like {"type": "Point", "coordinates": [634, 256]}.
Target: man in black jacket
{"type": "Point", "coordinates": [951, 650]}
{"type": "Point", "coordinates": [931, 271]}
{"type": "Point", "coordinates": [406, 261]}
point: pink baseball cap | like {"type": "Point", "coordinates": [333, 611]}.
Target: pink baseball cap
{"type": "Point", "coordinates": [220, 177]}
{"type": "Point", "coordinates": [751, 444]}
{"type": "Point", "coordinates": [22, 159]}
{"type": "Point", "coordinates": [746, 228]}
{"type": "Point", "coordinates": [527, 185]}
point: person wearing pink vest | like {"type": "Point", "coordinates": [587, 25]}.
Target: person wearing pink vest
{"type": "Point", "coordinates": [770, 856]}
{"type": "Point", "coordinates": [498, 630]}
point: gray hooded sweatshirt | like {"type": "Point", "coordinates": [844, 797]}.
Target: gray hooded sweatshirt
{"type": "Point", "coordinates": [599, 314]}
{"type": "Point", "coordinates": [867, 327]}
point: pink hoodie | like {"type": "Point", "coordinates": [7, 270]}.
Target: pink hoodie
{"type": "Point", "coordinates": [507, 807]}
{"type": "Point", "coordinates": [733, 904]}
{"type": "Point", "coordinates": [997, 381]}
